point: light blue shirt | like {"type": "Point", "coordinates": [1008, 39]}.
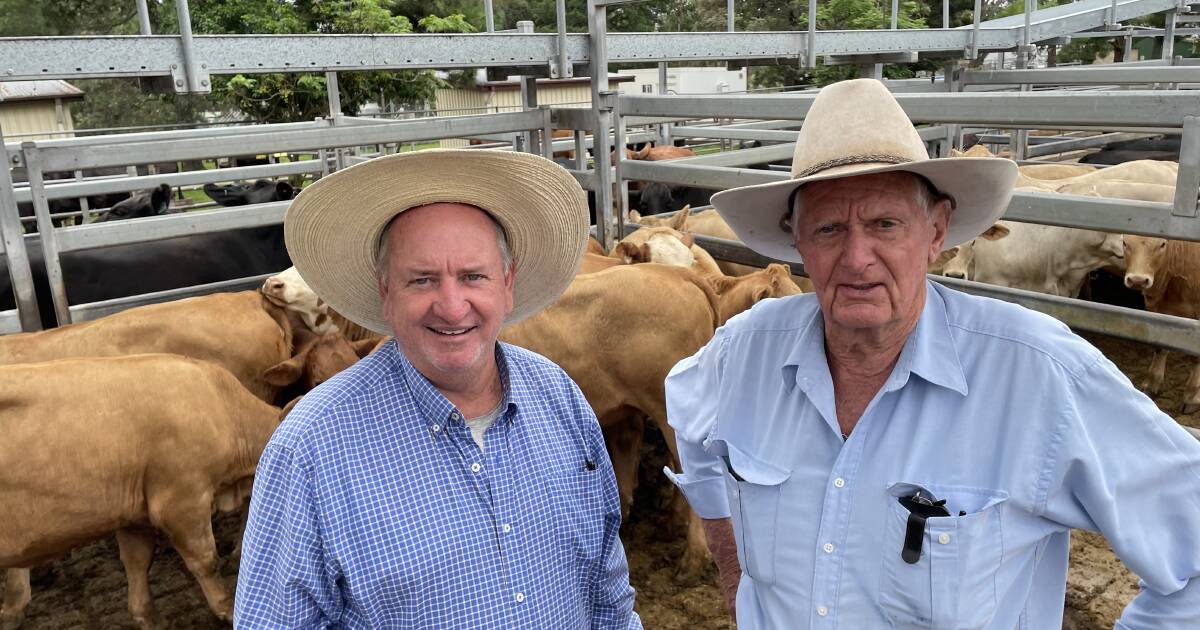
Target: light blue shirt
{"type": "Point", "coordinates": [375, 508]}
{"type": "Point", "coordinates": [1024, 429]}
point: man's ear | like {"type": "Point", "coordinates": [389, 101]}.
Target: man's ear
{"type": "Point", "coordinates": [940, 215]}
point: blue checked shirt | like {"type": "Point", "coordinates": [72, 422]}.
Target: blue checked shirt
{"type": "Point", "coordinates": [1024, 429]}
{"type": "Point", "coordinates": [374, 508]}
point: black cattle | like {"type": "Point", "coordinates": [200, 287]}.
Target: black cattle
{"type": "Point", "coordinates": [143, 203]}
{"type": "Point", "coordinates": [1169, 144]}
{"type": "Point", "coordinates": [1112, 157]}
{"type": "Point", "coordinates": [657, 198]}
{"type": "Point", "coordinates": [123, 270]}
{"type": "Point", "coordinates": [261, 191]}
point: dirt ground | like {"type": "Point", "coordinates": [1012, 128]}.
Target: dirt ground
{"type": "Point", "coordinates": [87, 589]}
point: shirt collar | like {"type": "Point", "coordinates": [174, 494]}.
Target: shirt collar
{"type": "Point", "coordinates": [929, 351]}
{"type": "Point", "coordinates": [434, 407]}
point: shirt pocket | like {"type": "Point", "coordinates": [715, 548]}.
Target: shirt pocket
{"type": "Point", "coordinates": [953, 584]}
{"type": "Point", "coordinates": [754, 488]}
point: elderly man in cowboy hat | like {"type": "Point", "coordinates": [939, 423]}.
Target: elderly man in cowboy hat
{"type": "Point", "coordinates": [890, 453]}
{"type": "Point", "coordinates": [447, 480]}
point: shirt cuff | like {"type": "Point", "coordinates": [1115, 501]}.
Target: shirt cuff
{"type": "Point", "coordinates": [706, 496]}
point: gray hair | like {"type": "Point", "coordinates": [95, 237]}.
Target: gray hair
{"type": "Point", "coordinates": [383, 249]}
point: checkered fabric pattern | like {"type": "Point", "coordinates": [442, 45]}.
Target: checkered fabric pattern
{"type": "Point", "coordinates": [374, 508]}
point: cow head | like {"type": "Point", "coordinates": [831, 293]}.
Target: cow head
{"type": "Point", "coordinates": [288, 290]}
{"type": "Point", "coordinates": [661, 244]}
{"type": "Point", "coordinates": [1145, 258]}
{"type": "Point", "coordinates": [738, 293]}
{"type": "Point", "coordinates": [317, 359]}
{"type": "Point", "coordinates": [144, 203]}
{"type": "Point", "coordinates": [961, 263]}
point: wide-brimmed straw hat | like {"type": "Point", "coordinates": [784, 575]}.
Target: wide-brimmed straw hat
{"type": "Point", "coordinates": [333, 227]}
{"type": "Point", "coordinates": [857, 128]}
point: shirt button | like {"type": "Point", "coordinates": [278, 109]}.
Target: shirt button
{"type": "Point", "coordinates": [822, 611]}
{"type": "Point", "coordinates": [437, 427]}
{"type": "Point", "coordinates": [454, 415]}
{"type": "Point", "coordinates": [506, 528]}
{"type": "Point", "coordinates": [944, 538]}
{"type": "Point", "coordinates": [839, 482]}
{"type": "Point", "coordinates": [520, 597]}
{"type": "Point", "coordinates": [475, 467]}
{"type": "Point", "coordinates": [828, 547]}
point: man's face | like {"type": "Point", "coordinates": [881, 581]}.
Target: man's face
{"type": "Point", "coordinates": [446, 293]}
{"type": "Point", "coordinates": [866, 244]}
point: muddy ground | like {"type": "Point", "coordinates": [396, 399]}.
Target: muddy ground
{"type": "Point", "coordinates": [87, 589]}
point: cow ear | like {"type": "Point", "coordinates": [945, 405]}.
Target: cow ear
{"type": "Point", "coordinates": [160, 199]}
{"type": "Point", "coordinates": [688, 239]}
{"type": "Point", "coordinates": [679, 221]}
{"type": "Point", "coordinates": [626, 252]}
{"type": "Point", "coordinates": [996, 232]}
{"type": "Point", "coordinates": [364, 347]}
{"type": "Point", "coordinates": [634, 216]}
{"type": "Point", "coordinates": [287, 372]}
{"type": "Point", "coordinates": [284, 191]}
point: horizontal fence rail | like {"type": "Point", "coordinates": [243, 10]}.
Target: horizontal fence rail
{"type": "Point", "coordinates": [1136, 108]}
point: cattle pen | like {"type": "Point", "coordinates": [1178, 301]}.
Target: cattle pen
{"type": "Point", "coordinates": [1089, 106]}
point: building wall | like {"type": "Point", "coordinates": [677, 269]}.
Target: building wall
{"type": "Point", "coordinates": [465, 102]}
{"type": "Point", "coordinates": [22, 117]}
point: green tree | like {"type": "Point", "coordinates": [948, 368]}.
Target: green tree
{"type": "Point", "coordinates": [776, 15]}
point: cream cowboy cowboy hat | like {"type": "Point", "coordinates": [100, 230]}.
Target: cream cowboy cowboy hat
{"type": "Point", "coordinates": [857, 128]}
{"type": "Point", "coordinates": [332, 229]}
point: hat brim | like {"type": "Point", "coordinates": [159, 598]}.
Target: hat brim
{"type": "Point", "coordinates": [981, 188]}
{"type": "Point", "coordinates": [332, 228]}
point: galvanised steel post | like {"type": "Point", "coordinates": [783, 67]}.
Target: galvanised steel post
{"type": "Point", "coordinates": [812, 33]}
{"type": "Point", "coordinates": [195, 83]}
{"type": "Point", "coordinates": [489, 20]}
{"type": "Point", "coordinates": [14, 249]}
{"type": "Point", "coordinates": [143, 17]}
{"type": "Point", "coordinates": [608, 223]}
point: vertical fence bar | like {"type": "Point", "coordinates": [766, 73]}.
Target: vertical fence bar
{"type": "Point", "coordinates": [564, 63]}
{"type": "Point", "coordinates": [975, 19]}
{"type": "Point", "coordinates": [607, 226]}
{"type": "Point", "coordinates": [945, 13]}
{"type": "Point", "coordinates": [729, 15]}
{"type": "Point", "coordinates": [41, 210]}
{"type": "Point", "coordinates": [489, 20]}
{"type": "Point", "coordinates": [1187, 183]}
{"type": "Point", "coordinates": [333, 94]}
{"type": "Point", "coordinates": [194, 81]}
{"type": "Point", "coordinates": [812, 34]}
{"type": "Point", "coordinates": [664, 129]}
{"type": "Point", "coordinates": [143, 17]}
{"type": "Point", "coordinates": [895, 13]}
{"type": "Point", "coordinates": [1168, 42]}
{"type": "Point", "coordinates": [15, 254]}
{"type": "Point", "coordinates": [529, 100]}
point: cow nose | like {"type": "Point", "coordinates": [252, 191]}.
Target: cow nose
{"type": "Point", "coordinates": [1138, 282]}
{"type": "Point", "coordinates": [956, 274]}
{"type": "Point", "coordinates": [273, 285]}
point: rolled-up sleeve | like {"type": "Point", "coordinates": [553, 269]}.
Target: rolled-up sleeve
{"type": "Point", "coordinates": [284, 580]}
{"type": "Point", "coordinates": [692, 388]}
{"type": "Point", "coordinates": [1129, 471]}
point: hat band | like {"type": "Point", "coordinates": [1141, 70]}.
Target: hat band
{"type": "Point", "coordinates": [851, 159]}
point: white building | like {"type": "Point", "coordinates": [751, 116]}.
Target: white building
{"type": "Point", "coordinates": [709, 80]}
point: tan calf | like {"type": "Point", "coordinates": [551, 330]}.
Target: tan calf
{"type": "Point", "coordinates": [241, 331]}
{"type": "Point", "coordinates": [666, 314]}
{"type": "Point", "coordinates": [124, 445]}
{"type": "Point", "coordinates": [1167, 272]}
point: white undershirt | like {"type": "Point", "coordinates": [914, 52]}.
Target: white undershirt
{"type": "Point", "coordinates": [480, 425]}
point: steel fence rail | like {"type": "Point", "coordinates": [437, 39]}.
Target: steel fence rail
{"type": "Point", "coordinates": [1048, 109]}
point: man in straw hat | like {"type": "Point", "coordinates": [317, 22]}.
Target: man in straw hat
{"type": "Point", "coordinates": [890, 453]}
{"type": "Point", "coordinates": [446, 480]}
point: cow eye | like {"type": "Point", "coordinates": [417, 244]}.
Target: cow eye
{"type": "Point", "coordinates": [1162, 245]}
